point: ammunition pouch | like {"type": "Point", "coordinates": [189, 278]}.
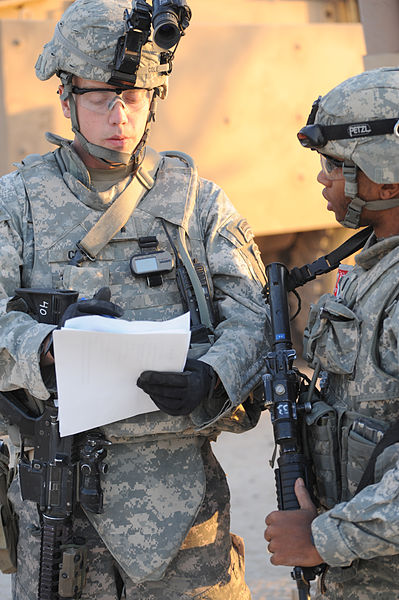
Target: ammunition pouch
{"type": "Point", "coordinates": [331, 337]}
{"type": "Point", "coordinates": [322, 439]}
{"type": "Point", "coordinates": [339, 462]}
{"type": "Point", "coordinates": [359, 437]}
{"type": "Point", "coordinates": [8, 518]}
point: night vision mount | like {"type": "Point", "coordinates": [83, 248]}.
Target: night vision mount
{"type": "Point", "coordinates": [169, 19]}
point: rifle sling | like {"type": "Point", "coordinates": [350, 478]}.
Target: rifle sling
{"type": "Point", "coordinates": [120, 210]}
{"type": "Point", "coordinates": [205, 317]}
{"type": "Point", "coordinates": [298, 276]}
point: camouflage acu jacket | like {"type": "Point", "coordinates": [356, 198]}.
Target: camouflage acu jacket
{"type": "Point", "coordinates": [43, 213]}
{"type": "Point", "coordinates": [355, 338]}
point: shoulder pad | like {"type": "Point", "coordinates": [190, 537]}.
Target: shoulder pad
{"type": "Point", "coordinates": [29, 161]}
{"type": "Point", "coordinates": [181, 156]}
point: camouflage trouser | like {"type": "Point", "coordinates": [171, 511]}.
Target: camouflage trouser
{"type": "Point", "coordinates": [209, 565]}
{"type": "Point", "coordinates": [374, 579]}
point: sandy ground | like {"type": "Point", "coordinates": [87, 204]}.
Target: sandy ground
{"type": "Point", "coordinates": [245, 459]}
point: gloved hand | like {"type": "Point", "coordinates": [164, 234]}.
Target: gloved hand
{"type": "Point", "coordinates": [98, 305]}
{"type": "Point", "coordinates": [179, 393]}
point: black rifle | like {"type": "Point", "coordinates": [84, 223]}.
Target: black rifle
{"type": "Point", "coordinates": [63, 471]}
{"type": "Point", "coordinates": [282, 385]}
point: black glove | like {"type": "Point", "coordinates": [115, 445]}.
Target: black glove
{"type": "Point", "coordinates": [98, 305]}
{"type": "Point", "coordinates": [179, 393]}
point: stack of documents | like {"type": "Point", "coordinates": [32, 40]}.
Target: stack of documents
{"type": "Point", "coordinates": [98, 361]}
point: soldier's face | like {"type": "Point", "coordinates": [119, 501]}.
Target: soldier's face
{"type": "Point", "coordinates": [337, 202]}
{"type": "Point", "coordinates": [334, 192]}
{"type": "Point", "coordinates": [120, 127]}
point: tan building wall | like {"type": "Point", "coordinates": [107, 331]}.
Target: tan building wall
{"type": "Point", "coordinates": [32, 9]}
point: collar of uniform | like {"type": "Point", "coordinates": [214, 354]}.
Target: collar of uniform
{"type": "Point", "coordinates": [372, 253]}
{"type": "Point", "coordinates": [77, 177]}
{"type": "Point", "coordinates": [93, 199]}
{"type": "Point", "coordinates": [102, 179]}
{"type": "Point", "coordinates": [73, 163]}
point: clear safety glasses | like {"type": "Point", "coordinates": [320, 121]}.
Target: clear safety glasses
{"type": "Point", "coordinates": [331, 167]}
{"type": "Point", "coordinates": [102, 100]}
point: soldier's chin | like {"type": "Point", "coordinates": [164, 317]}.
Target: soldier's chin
{"type": "Point", "coordinates": [119, 144]}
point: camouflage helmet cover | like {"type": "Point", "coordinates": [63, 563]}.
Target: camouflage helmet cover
{"type": "Point", "coordinates": [84, 44]}
{"type": "Point", "coordinates": [369, 96]}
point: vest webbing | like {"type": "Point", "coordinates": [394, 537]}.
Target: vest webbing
{"type": "Point", "coordinates": [120, 210]}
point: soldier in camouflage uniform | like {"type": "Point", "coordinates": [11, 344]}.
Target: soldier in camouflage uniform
{"type": "Point", "coordinates": [164, 532]}
{"type": "Point", "coordinates": [354, 338]}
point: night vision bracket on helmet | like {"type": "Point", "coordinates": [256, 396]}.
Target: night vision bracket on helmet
{"type": "Point", "coordinates": [129, 46]}
{"type": "Point", "coordinates": [122, 43]}
{"type": "Point", "coordinates": [169, 20]}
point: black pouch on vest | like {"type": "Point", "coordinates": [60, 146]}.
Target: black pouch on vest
{"type": "Point", "coordinates": [322, 442]}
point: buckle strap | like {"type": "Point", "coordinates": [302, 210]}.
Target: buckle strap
{"type": "Point", "coordinates": [298, 276]}
{"type": "Point", "coordinates": [116, 216]}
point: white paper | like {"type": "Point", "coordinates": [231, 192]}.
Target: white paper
{"type": "Point", "coordinates": [98, 361]}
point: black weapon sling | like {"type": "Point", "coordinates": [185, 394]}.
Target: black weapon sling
{"type": "Point", "coordinates": [298, 276]}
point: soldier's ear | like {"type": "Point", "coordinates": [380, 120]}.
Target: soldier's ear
{"type": "Point", "coordinates": [64, 103]}
{"type": "Point", "coordinates": [389, 190]}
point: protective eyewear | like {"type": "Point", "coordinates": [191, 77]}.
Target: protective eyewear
{"type": "Point", "coordinates": [102, 100]}
{"type": "Point", "coordinates": [331, 167]}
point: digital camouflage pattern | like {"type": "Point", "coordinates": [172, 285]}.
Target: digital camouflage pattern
{"type": "Point", "coordinates": [365, 97]}
{"type": "Point", "coordinates": [88, 51]}
{"type": "Point", "coordinates": [37, 237]}
{"type": "Point", "coordinates": [208, 567]}
{"type": "Point", "coordinates": [359, 537]}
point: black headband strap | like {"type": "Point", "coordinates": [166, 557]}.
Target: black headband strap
{"type": "Point", "coordinates": [360, 129]}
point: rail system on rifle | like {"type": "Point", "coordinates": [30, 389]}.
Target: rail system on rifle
{"type": "Point", "coordinates": [282, 386]}
{"type": "Point", "coordinates": [283, 383]}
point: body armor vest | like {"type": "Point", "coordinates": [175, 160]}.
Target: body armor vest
{"type": "Point", "coordinates": [152, 454]}
{"type": "Point", "coordinates": [362, 400]}
{"type": "Point", "coordinates": [68, 201]}
{"type": "Point", "coordinates": [155, 459]}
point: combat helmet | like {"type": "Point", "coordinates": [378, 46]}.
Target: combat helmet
{"type": "Point", "coordinates": [110, 41]}
{"type": "Point", "coordinates": [358, 121]}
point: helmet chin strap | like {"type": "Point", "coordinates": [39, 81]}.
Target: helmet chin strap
{"type": "Point", "coordinates": [356, 205]}
{"type": "Point", "coordinates": [109, 157]}
{"type": "Point", "coordinates": [353, 212]}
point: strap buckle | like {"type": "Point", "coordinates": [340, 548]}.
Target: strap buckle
{"type": "Point", "coordinates": [80, 255]}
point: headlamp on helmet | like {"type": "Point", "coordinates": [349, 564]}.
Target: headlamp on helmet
{"type": "Point", "coordinates": [316, 136]}
{"type": "Point", "coordinates": [348, 144]}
